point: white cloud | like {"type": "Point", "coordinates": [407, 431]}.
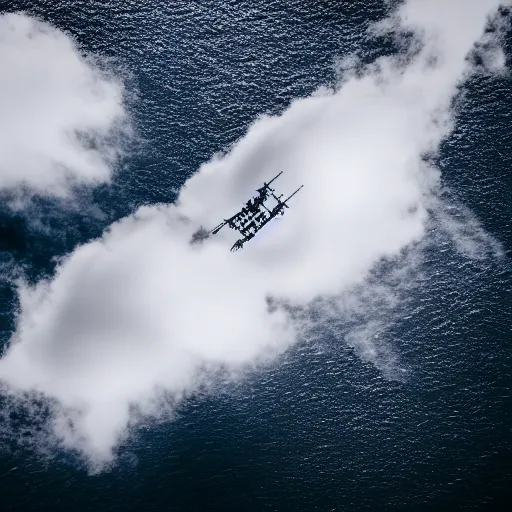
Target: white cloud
{"type": "Point", "coordinates": [59, 113]}
{"type": "Point", "coordinates": [141, 312]}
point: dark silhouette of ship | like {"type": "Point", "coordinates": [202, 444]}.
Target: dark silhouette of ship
{"type": "Point", "coordinates": [255, 214]}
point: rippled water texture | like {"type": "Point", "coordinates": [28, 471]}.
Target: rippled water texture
{"type": "Point", "coordinates": [321, 428]}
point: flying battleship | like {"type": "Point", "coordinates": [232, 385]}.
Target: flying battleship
{"type": "Point", "coordinates": [255, 214]}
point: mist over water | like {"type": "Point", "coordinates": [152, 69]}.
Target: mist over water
{"type": "Point", "coordinates": [134, 321]}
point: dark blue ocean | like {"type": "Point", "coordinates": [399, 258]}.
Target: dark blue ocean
{"type": "Point", "coordinates": [319, 429]}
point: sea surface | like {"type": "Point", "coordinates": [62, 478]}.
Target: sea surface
{"type": "Point", "coordinates": [320, 429]}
